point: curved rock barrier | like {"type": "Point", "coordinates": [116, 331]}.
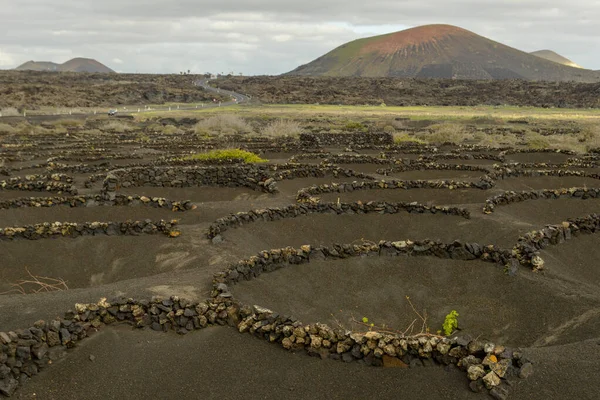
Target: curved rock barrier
{"type": "Point", "coordinates": [256, 177]}
{"type": "Point", "coordinates": [541, 165]}
{"type": "Point", "coordinates": [345, 139]}
{"type": "Point", "coordinates": [509, 197]}
{"type": "Point", "coordinates": [461, 156]}
{"type": "Point", "coordinates": [504, 173]}
{"type": "Point", "coordinates": [426, 166]}
{"type": "Point", "coordinates": [306, 194]}
{"type": "Point", "coordinates": [35, 177]}
{"type": "Point", "coordinates": [72, 229]}
{"type": "Point", "coordinates": [250, 176]}
{"type": "Point", "coordinates": [296, 210]}
{"type": "Point", "coordinates": [342, 158]}
{"type": "Point", "coordinates": [281, 172]}
{"type": "Point", "coordinates": [40, 183]}
{"type": "Point", "coordinates": [7, 171]}
{"type": "Point", "coordinates": [90, 180]}
{"type": "Point", "coordinates": [488, 366]}
{"type": "Point", "coordinates": [479, 147]}
{"type": "Point", "coordinates": [94, 157]}
{"type": "Point", "coordinates": [97, 200]}
{"type": "Point", "coordinates": [527, 247]}
{"type": "Point", "coordinates": [270, 260]}
{"type": "Point", "coordinates": [520, 151]}
{"type": "Point", "coordinates": [78, 168]}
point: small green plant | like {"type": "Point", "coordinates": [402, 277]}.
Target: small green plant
{"type": "Point", "coordinates": [450, 323]}
{"type": "Point", "coordinates": [228, 155]}
{"type": "Point", "coordinates": [365, 321]}
{"type": "Point", "coordinates": [352, 126]}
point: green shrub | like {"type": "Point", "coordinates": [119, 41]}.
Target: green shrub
{"type": "Point", "coordinates": [400, 138]}
{"type": "Point", "coordinates": [228, 155]}
{"type": "Point", "coordinates": [450, 323]}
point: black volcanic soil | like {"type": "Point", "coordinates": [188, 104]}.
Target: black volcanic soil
{"type": "Point", "coordinates": [247, 367]}
{"type": "Point", "coordinates": [554, 314]}
{"type": "Point", "coordinates": [511, 310]}
{"type": "Point", "coordinates": [242, 361]}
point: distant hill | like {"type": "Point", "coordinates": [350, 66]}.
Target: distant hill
{"type": "Point", "coordinates": [38, 66]}
{"type": "Point", "coordinates": [557, 58]}
{"type": "Point", "coordinates": [438, 51]}
{"type": "Point", "coordinates": [74, 65]}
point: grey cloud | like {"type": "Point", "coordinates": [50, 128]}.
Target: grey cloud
{"type": "Point", "coordinates": [267, 36]}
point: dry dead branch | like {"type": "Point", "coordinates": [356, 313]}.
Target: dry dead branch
{"type": "Point", "coordinates": [37, 284]}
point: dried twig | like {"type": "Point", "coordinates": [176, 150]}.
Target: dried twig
{"type": "Point", "coordinates": [40, 284]}
{"type": "Point", "coordinates": [384, 329]}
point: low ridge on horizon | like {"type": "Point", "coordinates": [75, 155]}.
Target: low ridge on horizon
{"type": "Point", "coordinates": [557, 58]}
{"type": "Point", "coordinates": [441, 51]}
{"type": "Point", "coordinates": [78, 64]}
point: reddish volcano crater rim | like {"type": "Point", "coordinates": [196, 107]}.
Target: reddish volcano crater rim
{"type": "Point", "coordinates": [418, 36]}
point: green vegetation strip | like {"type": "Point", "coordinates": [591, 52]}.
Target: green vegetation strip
{"type": "Point", "coordinates": [228, 155]}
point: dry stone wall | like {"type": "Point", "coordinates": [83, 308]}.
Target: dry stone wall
{"type": "Point", "coordinates": [424, 166]}
{"type": "Point", "coordinates": [342, 158]}
{"type": "Point", "coordinates": [515, 197]}
{"type": "Point", "coordinates": [488, 366]}
{"type": "Point", "coordinates": [504, 173]}
{"type": "Point", "coordinates": [527, 248]}
{"type": "Point", "coordinates": [296, 210]}
{"type": "Point", "coordinates": [307, 194]}
{"type": "Point", "coordinates": [281, 172]}
{"type": "Point", "coordinates": [346, 139]}
{"type": "Point", "coordinates": [520, 151]}
{"type": "Point", "coordinates": [97, 200]}
{"type": "Point", "coordinates": [462, 156]}
{"type": "Point", "coordinates": [40, 183]}
{"type": "Point", "coordinates": [250, 176]}
{"type": "Point", "coordinates": [71, 229]}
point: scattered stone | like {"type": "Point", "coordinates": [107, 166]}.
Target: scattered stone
{"type": "Point", "coordinates": [491, 380]}
{"type": "Point", "coordinates": [475, 372]}
{"type": "Point", "coordinates": [499, 392]}
{"type": "Point", "coordinates": [8, 386]}
{"type": "Point", "coordinates": [477, 386]}
{"type": "Point", "coordinates": [526, 371]}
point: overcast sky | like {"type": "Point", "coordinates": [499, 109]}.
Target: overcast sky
{"type": "Point", "coordinates": [257, 37]}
